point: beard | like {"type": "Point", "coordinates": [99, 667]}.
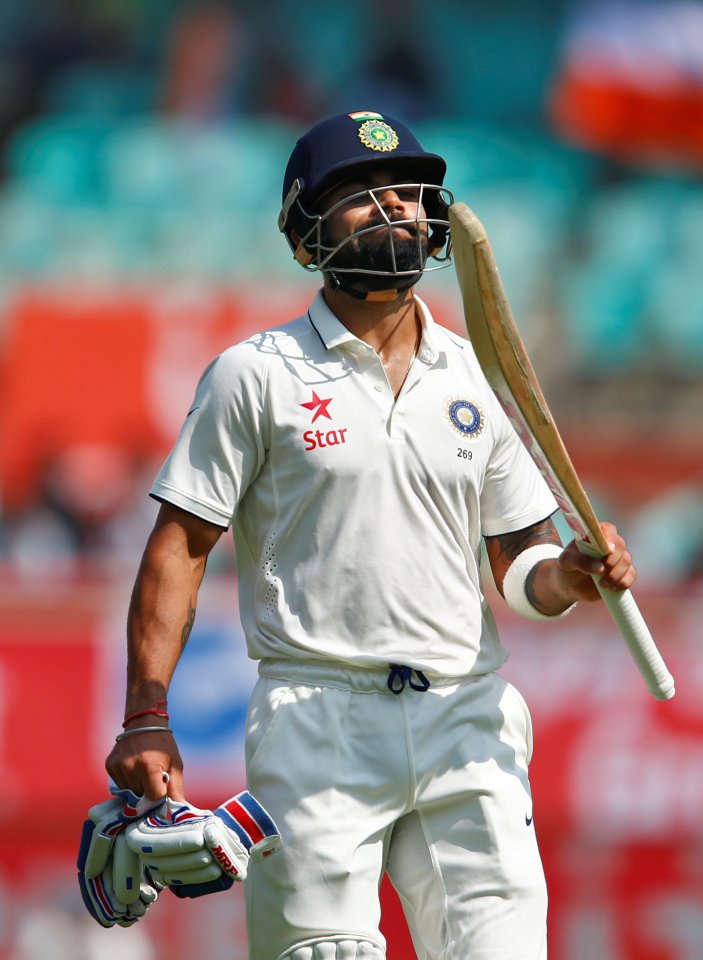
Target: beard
{"type": "Point", "coordinates": [375, 252]}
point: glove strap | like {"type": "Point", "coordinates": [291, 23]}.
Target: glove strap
{"type": "Point", "coordinates": [245, 817]}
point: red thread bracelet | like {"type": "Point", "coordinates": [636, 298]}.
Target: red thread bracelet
{"type": "Point", "coordinates": [158, 710]}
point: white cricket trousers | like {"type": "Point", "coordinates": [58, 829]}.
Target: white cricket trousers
{"type": "Point", "coordinates": [430, 787]}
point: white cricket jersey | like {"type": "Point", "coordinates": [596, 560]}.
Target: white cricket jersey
{"type": "Point", "coordinates": [357, 518]}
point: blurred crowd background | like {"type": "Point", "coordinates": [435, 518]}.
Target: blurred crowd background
{"type": "Point", "coordinates": [142, 146]}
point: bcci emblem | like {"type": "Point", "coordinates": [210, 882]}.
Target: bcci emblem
{"type": "Point", "coordinates": [377, 135]}
{"type": "Point", "coordinates": [465, 416]}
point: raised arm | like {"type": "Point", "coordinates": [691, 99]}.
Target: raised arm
{"type": "Point", "coordinates": [554, 584]}
{"type": "Point", "coordinates": [161, 615]}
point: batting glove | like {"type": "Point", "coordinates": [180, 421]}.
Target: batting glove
{"type": "Point", "coordinates": [195, 852]}
{"type": "Point", "coordinates": [115, 887]}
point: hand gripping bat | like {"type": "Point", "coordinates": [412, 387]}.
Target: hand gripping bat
{"type": "Point", "coordinates": [503, 358]}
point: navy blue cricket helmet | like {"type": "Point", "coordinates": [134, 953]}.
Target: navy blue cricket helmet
{"type": "Point", "coordinates": [339, 148]}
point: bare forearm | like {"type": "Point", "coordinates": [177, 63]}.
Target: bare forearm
{"type": "Point", "coordinates": [161, 616]}
{"type": "Point", "coordinates": [547, 589]}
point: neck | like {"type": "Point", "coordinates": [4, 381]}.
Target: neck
{"type": "Point", "coordinates": [386, 325]}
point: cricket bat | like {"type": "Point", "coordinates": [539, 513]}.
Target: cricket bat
{"type": "Point", "coordinates": [503, 358]}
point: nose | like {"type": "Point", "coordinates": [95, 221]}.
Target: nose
{"type": "Point", "coordinates": [389, 199]}
{"type": "Point", "coordinates": [399, 207]}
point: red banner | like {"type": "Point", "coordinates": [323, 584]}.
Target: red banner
{"type": "Point", "coordinates": [630, 84]}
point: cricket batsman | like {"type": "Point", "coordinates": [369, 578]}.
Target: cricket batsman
{"type": "Point", "coordinates": [361, 459]}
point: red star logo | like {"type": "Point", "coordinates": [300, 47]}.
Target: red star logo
{"type": "Point", "coordinates": [319, 406]}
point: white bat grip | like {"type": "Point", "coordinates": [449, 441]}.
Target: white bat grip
{"type": "Point", "coordinates": [635, 632]}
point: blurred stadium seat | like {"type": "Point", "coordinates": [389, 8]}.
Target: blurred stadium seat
{"type": "Point", "coordinates": [676, 304]}
{"type": "Point", "coordinates": [676, 317]}
{"type": "Point", "coordinates": [621, 246]}
{"type": "Point", "coordinates": [59, 159]}
{"type": "Point", "coordinates": [230, 168]}
{"type": "Point", "coordinates": [143, 197]}
{"type": "Point", "coordinates": [102, 90]}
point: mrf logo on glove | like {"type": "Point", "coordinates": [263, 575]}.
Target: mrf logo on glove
{"type": "Point", "coordinates": [195, 852]}
{"type": "Point", "coordinates": [245, 817]}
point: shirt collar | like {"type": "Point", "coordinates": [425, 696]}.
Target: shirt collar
{"type": "Point", "coordinates": [333, 333]}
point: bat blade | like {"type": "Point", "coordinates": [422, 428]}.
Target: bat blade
{"type": "Point", "coordinates": [507, 367]}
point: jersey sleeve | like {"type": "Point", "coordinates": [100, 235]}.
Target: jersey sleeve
{"type": "Point", "coordinates": [514, 494]}
{"type": "Point", "coordinates": [221, 445]}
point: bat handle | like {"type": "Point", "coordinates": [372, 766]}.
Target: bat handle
{"type": "Point", "coordinates": [635, 632]}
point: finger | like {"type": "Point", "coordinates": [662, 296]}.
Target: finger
{"type": "Point", "coordinates": [176, 863]}
{"type": "Point", "coordinates": [137, 777]}
{"type": "Point", "coordinates": [573, 561]}
{"type": "Point", "coordinates": [126, 872]}
{"type": "Point", "coordinates": [147, 895]}
{"type": "Point", "coordinates": [98, 854]}
{"type": "Point", "coordinates": [139, 908]}
{"type": "Point", "coordinates": [103, 809]}
{"type": "Point", "coordinates": [201, 875]}
{"type": "Point", "coordinates": [228, 851]}
{"type": "Point", "coordinates": [175, 784]}
{"type": "Point", "coordinates": [618, 562]}
{"type": "Point", "coordinates": [144, 786]}
{"type": "Point", "coordinates": [157, 836]}
{"type": "Point", "coordinates": [621, 578]}
{"type": "Point", "coordinates": [155, 784]}
{"type": "Point", "coordinates": [614, 571]}
{"type": "Point", "coordinates": [595, 569]}
{"type": "Point", "coordinates": [164, 841]}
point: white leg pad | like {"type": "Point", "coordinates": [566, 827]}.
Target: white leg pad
{"type": "Point", "coordinates": [335, 948]}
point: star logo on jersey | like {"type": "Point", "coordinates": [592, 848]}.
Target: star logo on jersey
{"type": "Point", "coordinates": [322, 437]}
{"type": "Point", "coordinates": [318, 407]}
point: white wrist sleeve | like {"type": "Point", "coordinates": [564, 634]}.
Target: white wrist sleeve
{"type": "Point", "coordinates": [515, 578]}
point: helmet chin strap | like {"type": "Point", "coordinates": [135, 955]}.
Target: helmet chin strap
{"type": "Point", "coordinates": [338, 282]}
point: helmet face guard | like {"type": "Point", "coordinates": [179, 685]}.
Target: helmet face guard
{"type": "Point", "coordinates": [429, 228]}
{"type": "Point", "coordinates": [344, 148]}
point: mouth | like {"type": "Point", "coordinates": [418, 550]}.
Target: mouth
{"type": "Point", "coordinates": [398, 228]}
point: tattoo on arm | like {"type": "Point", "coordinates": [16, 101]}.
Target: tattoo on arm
{"type": "Point", "coordinates": [187, 626]}
{"type": "Point", "coordinates": [504, 548]}
{"type": "Point", "coordinates": [530, 590]}
{"type": "Point", "coordinates": [510, 545]}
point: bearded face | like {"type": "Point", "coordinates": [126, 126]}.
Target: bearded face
{"type": "Point", "coordinates": [381, 251]}
{"type": "Point", "coordinates": [374, 234]}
